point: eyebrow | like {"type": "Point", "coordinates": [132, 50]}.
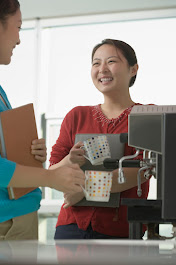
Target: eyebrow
{"type": "Point", "coordinates": [107, 58]}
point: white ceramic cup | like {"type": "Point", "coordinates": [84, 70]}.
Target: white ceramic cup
{"type": "Point", "coordinates": [97, 149]}
{"type": "Point", "coordinates": [97, 185]}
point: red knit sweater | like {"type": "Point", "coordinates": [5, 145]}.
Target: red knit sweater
{"type": "Point", "coordinates": [90, 119]}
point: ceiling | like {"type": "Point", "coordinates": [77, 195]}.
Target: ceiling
{"type": "Point", "coordinates": [32, 9]}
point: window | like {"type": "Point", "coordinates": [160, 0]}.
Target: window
{"type": "Point", "coordinates": [52, 69]}
{"type": "Point", "coordinates": [21, 86]}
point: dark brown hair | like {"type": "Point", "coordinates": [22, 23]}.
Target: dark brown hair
{"type": "Point", "coordinates": [126, 50]}
{"type": "Point", "coordinates": [8, 8]}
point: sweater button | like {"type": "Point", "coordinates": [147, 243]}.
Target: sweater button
{"type": "Point", "coordinates": [93, 208]}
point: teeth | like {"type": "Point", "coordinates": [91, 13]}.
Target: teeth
{"type": "Point", "coordinates": [105, 79]}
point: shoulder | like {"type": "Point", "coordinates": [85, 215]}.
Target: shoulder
{"type": "Point", "coordinates": [140, 104]}
{"type": "Point", "coordinates": [80, 110]}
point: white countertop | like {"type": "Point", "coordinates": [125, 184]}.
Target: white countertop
{"type": "Point", "coordinates": [119, 252]}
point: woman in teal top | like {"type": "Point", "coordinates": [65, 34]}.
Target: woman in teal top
{"type": "Point", "coordinates": [18, 218]}
{"type": "Point", "coordinates": [31, 201]}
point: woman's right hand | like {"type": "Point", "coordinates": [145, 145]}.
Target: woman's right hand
{"type": "Point", "coordinates": [76, 154]}
{"type": "Point", "coordinates": [67, 179]}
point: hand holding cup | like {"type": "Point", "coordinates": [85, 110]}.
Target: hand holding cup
{"type": "Point", "coordinates": [76, 155]}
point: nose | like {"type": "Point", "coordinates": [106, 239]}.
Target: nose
{"type": "Point", "coordinates": [103, 68]}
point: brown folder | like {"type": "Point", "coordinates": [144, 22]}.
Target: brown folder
{"type": "Point", "coordinates": [18, 129]}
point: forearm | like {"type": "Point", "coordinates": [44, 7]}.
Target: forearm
{"type": "Point", "coordinates": [30, 177]}
{"type": "Point", "coordinates": [66, 178]}
{"type": "Point", "coordinates": [71, 159]}
{"type": "Point", "coordinates": [65, 161]}
{"type": "Point", "coordinates": [131, 180]}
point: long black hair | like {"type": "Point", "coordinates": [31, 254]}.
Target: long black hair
{"type": "Point", "coordinates": [8, 8]}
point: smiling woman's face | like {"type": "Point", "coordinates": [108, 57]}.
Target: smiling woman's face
{"type": "Point", "coordinates": [110, 69]}
{"type": "Point", "coordinates": [9, 36]}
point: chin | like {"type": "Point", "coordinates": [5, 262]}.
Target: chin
{"type": "Point", "coordinates": [7, 62]}
{"type": "Point", "coordinates": [106, 89]}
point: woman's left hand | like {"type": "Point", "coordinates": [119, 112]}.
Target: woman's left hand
{"type": "Point", "coordinates": [72, 198]}
{"type": "Point", "coordinates": [38, 149]}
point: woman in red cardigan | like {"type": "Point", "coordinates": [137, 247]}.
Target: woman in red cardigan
{"type": "Point", "coordinates": [114, 70]}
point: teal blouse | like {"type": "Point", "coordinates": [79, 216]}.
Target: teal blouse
{"type": "Point", "coordinates": [24, 205]}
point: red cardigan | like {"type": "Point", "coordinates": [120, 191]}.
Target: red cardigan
{"type": "Point", "coordinates": [90, 119]}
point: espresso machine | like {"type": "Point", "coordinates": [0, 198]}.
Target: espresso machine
{"type": "Point", "coordinates": [151, 129]}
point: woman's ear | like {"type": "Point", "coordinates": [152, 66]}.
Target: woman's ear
{"type": "Point", "coordinates": [134, 69]}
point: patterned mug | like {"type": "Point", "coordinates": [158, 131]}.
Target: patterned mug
{"type": "Point", "coordinates": [97, 149]}
{"type": "Point", "coordinates": [97, 185]}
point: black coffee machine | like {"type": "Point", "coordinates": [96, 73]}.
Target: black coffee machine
{"type": "Point", "coordinates": [151, 129]}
